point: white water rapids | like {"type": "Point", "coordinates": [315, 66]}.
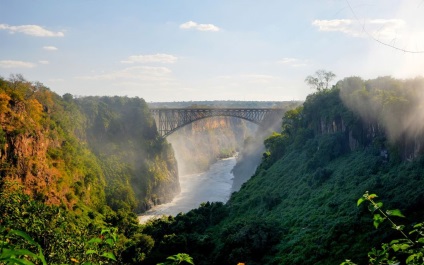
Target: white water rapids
{"type": "Point", "coordinates": [213, 185]}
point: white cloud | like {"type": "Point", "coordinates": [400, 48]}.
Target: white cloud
{"type": "Point", "coordinates": [50, 48]}
{"type": "Point", "coordinates": [16, 64]}
{"type": "Point", "coordinates": [43, 62]}
{"type": "Point", "coordinates": [200, 27]}
{"type": "Point", "coordinates": [141, 73]}
{"type": "Point", "coordinates": [342, 25]}
{"type": "Point", "coordinates": [151, 58]}
{"type": "Point", "coordinates": [378, 28]}
{"type": "Point", "coordinates": [33, 30]}
{"type": "Point", "coordinates": [294, 62]}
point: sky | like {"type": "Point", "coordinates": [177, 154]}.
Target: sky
{"type": "Point", "coordinates": [187, 50]}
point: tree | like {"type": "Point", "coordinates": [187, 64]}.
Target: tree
{"type": "Point", "coordinates": [320, 80]}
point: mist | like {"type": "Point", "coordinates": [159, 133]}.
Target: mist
{"type": "Point", "coordinates": [395, 105]}
{"type": "Point", "coordinates": [199, 144]}
{"type": "Point", "coordinates": [251, 154]}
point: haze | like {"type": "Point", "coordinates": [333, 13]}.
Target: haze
{"type": "Point", "coordinates": [207, 50]}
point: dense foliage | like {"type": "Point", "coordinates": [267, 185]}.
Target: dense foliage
{"type": "Point", "coordinates": [40, 147]}
{"type": "Point", "coordinates": [299, 207]}
{"type": "Point", "coordinates": [70, 151]}
{"type": "Point", "coordinates": [74, 169]}
{"type": "Point", "coordinates": [139, 166]}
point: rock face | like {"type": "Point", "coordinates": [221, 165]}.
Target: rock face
{"type": "Point", "coordinates": [24, 155]}
{"type": "Point", "coordinates": [24, 160]}
{"type": "Point", "coordinates": [369, 132]}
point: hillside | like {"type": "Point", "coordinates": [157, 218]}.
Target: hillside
{"type": "Point", "coordinates": [90, 151]}
{"type": "Point", "coordinates": [139, 167]}
{"type": "Point", "coordinates": [76, 169]}
{"type": "Point", "coordinates": [300, 205]}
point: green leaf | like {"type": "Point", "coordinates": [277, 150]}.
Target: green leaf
{"type": "Point", "coordinates": [361, 200]}
{"type": "Point", "coordinates": [20, 261]}
{"type": "Point", "coordinates": [41, 256]}
{"type": "Point", "coordinates": [421, 240]}
{"type": "Point", "coordinates": [411, 258]}
{"type": "Point", "coordinates": [110, 242]}
{"type": "Point", "coordinates": [395, 212]}
{"type": "Point", "coordinates": [418, 225]}
{"type": "Point", "coordinates": [397, 247]}
{"type": "Point", "coordinates": [19, 252]}
{"type": "Point", "coordinates": [105, 231]}
{"type": "Point", "coordinates": [94, 240]}
{"type": "Point", "coordinates": [90, 251]}
{"type": "Point", "coordinates": [375, 206]}
{"type": "Point", "coordinates": [372, 196]}
{"type": "Point", "coordinates": [109, 255]}
{"type": "Point", "coordinates": [24, 236]}
{"type": "Point", "coordinates": [378, 220]}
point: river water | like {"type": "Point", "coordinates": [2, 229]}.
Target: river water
{"type": "Point", "coordinates": [213, 185]}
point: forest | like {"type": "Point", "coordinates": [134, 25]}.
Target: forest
{"type": "Point", "coordinates": [74, 171]}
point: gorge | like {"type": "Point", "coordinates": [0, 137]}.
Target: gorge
{"type": "Point", "coordinates": [76, 168]}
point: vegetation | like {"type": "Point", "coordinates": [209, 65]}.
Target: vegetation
{"type": "Point", "coordinates": [74, 170]}
{"type": "Point", "coordinates": [321, 80]}
{"type": "Point", "coordinates": [139, 167]}
{"type": "Point", "coordinates": [55, 235]}
{"type": "Point", "coordinates": [412, 250]}
{"type": "Point", "coordinates": [92, 151]}
{"type": "Point", "coordinates": [298, 208]}
{"type": "Point", "coordinates": [70, 178]}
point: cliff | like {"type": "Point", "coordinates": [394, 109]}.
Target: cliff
{"type": "Point", "coordinates": [139, 166]}
{"type": "Point", "coordinates": [86, 151]}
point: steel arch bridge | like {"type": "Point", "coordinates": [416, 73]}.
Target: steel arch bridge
{"type": "Point", "coordinates": [170, 120]}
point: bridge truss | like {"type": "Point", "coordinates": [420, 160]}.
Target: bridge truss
{"type": "Point", "coordinates": [170, 120]}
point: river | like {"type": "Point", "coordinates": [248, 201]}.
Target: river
{"type": "Point", "coordinates": [213, 185]}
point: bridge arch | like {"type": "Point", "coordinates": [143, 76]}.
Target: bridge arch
{"type": "Point", "coordinates": [170, 120]}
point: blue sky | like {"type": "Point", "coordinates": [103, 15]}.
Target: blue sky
{"type": "Point", "coordinates": [179, 50]}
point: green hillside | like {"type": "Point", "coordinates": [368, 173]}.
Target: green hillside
{"type": "Point", "coordinates": [300, 205]}
{"type": "Point", "coordinates": [72, 168]}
